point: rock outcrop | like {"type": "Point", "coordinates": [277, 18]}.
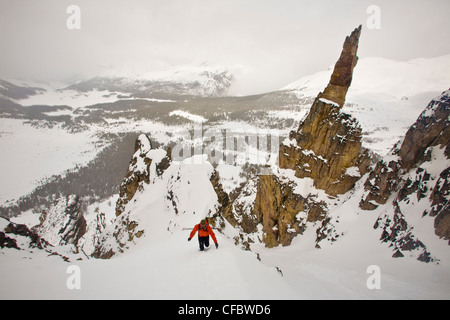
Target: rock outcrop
{"type": "Point", "coordinates": [430, 130]}
{"type": "Point", "coordinates": [414, 174]}
{"type": "Point", "coordinates": [63, 223]}
{"type": "Point", "coordinates": [33, 239]}
{"type": "Point", "coordinates": [140, 170]}
{"type": "Point", "coordinates": [21, 237]}
{"type": "Point", "coordinates": [225, 204]}
{"type": "Point", "coordinates": [283, 212]}
{"type": "Point", "coordinates": [440, 205]}
{"type": "Point", "coordinates": [341, 78]}
{"type": "Point", "coordinates": [58, 234]}
{"type": "Point", "coordinates": [138, 173]}
{"type": "Point", "coordinates": [326, 148]}
{"type": "Point", "coordinates": [146, 164]}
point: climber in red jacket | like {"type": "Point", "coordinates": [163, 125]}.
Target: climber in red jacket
{"type": "Point", "coordinates": [204, 231]}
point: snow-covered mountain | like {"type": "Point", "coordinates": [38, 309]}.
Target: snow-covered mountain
{"type": "Point", "coordinates": [18, 91]}
{"type": "Point", "coordinates": [154, 83]}
{"type": "Point", "coordinates": [100, 204]}
{"type": "Point", "coordinates": [204, 80]}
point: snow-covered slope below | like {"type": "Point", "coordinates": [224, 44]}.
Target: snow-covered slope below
{"type": "Point", "coordinates": [168, 267]}
{"type": "Point", "coordinates": [164, 265]}
{"type": "Point", "coordinates": [161, 264]}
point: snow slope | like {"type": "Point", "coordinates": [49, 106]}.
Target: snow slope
{"type": "Point", "coordinates": [170, 268]}
{"type": "Point", "coordinates": [30, 154]}
{"type": "Point", "coordinates": [162, 264]}
{"type": "Point", "coordinates": [33, 153]}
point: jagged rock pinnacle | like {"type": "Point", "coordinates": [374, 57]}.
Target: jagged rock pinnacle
{"type": "Point", "coordinates": [341, 78]}
{"type": "Point", "coordinates": [326, 148]}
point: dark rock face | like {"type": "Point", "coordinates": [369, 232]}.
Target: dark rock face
{"type": "Point", "coordinates": [63, 223]}
{"type": "Point", "coordinates": [225, 203]}
{"type": "Point", "coordinates": [276, 207]}
{"type": "Point", "coordinates": [416, 171]}
{"type": "Point", "coordinates": [137, 174]}
{"type": "Point", "coordinates": [431, 129]}
{"type": "Point", "coordinates": [34, 240]}
{"type": "Point", "coordinates": [341, 78]}
{"type": "Point", "coordinates": [382, 181]}
{"type": "Point", "coordinates": [440, 205]}
{"type": "Point", "coordinates": [7, 242]}
{"type": "Point", "coordinates": [76, 227]}
{"type": "Point", "coordinates": [327, 148]}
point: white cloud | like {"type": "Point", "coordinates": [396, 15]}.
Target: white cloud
{"type": "Point", "coordinates": [275, 41]}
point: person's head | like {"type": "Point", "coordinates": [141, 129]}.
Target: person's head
{"type": "Point", "coordinates": [203, 222]}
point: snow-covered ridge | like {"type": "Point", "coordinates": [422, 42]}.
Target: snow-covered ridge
{"type": "Point", "coordinates": [373, 75]}
{"type": "Point", "coordinates": [165, 72]}
{"type": "Point", "coordinates": [187, 115]}
{"type": "Point", "coordinates": [151, 83]}
{"type": "Point", "coordinates": [198, 80]}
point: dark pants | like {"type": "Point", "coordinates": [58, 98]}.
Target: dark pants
{"type": "Point", "coordinates": [203, 242]}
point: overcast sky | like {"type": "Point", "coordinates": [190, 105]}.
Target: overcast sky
{"type": "Point", "coordinates": [270, 43]}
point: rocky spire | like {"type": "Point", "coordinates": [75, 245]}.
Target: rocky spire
{"type": "Point", "coordinates": [341, 78]}
{"type": "Point", "coordinates": [326, 148]}
{"type": "Point", "coordinates": [327, 145]}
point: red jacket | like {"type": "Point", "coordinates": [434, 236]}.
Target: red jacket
{"type": "Point", "coordinates": [203, 232]}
